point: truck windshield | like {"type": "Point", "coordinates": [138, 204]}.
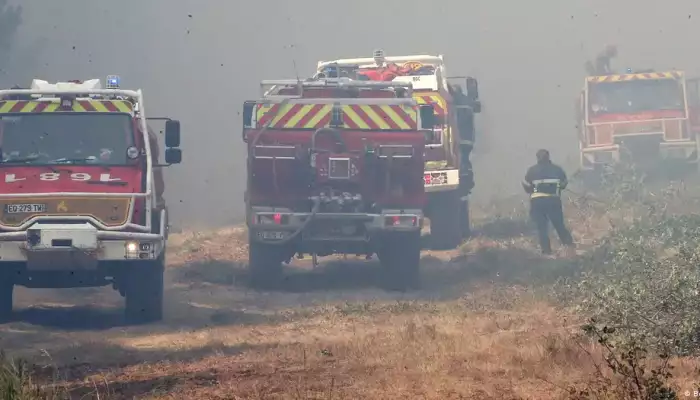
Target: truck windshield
{"type": "Point", "coordinates": [64, 138]}
{"type": "Point", "coordinates": [635, 96]}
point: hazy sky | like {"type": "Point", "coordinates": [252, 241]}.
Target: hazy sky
{"type": "Point", "coordinates": [198, 60]}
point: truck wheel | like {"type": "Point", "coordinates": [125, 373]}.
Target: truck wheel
{"type": "Point", "coordinates": [400, 258]}
{"type": "Point", "coordinates": [6, 291]}
{"type": "Point", "coordinates": [144, 288]}
{"type": "Point", "coordinates": [465, 222]}
{"type": "Point", "coordinates": [264, 264]}
{"type": "Point", "coordinates": [446, 221]}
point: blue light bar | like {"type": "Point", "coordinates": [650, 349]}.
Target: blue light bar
{"type": "Point", "coordinates": [629, 70]}
{"type": "Point", "coordinates": [113, 82]}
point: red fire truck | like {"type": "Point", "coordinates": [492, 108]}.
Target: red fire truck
{"type": "Point", "coordinates": [645, 118]}
{"type": "Point", "coordinates": [335, 166]}
{"type": "Point", "coordinates": [81, 193]}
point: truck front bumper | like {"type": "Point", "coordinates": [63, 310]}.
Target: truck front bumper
{"type": "Point", "coordinates": [271, 225]}
{"type": "Point", "coordinates": [50, 246]}
{"type": "Point", "coordinates": [683, 151]}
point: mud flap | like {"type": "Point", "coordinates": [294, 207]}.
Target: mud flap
{"type": "Point", "coordinates": [6, 296]}
{"type": "Point", "coordinates": [144, 287]}
{"type": "Point", "coordinates": [445, 220]}
{"type": "Point", "coordinates": [400, 259]}
{"type": "Point", "coordinates": [264, 264]}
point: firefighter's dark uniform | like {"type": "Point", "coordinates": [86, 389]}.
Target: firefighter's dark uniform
{"type": "Point", "coordinates": [544, 182]}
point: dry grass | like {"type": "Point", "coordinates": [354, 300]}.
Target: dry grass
{"type": "Point", "coordinates": [501, 340]}
{"type": "Point", "coordinates": [482, 346]}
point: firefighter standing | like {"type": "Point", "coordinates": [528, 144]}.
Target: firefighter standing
{"type": "Point", "coordinates": [544, 182]}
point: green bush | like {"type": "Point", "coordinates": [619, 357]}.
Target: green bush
{"type": "Point", "coordinates": [647, 285]}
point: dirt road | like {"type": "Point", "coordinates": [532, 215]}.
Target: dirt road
{"type": "Point", "coordinates": [205, 288]}
{"type": "Point", "coordinates": [476, 329]}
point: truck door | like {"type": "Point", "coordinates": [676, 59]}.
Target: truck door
{"type": "Point", "coordinates": [693, 93]}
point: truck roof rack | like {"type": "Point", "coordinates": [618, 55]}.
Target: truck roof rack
{"type": "Point", "coordinates": [90, 89]}
{"type": "Point", "coordinates": [424, 58]}
{"type": "Point", "coordinates": [269, 86]}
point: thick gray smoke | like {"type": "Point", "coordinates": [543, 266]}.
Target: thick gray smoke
{"type": "Point", "coordinates": [199, 60]}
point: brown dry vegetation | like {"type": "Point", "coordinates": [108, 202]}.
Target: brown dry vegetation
{"type": "Point", "coordinates": [484, 326]}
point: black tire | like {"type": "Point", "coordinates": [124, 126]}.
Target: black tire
{"type": "Point", "coordinates": [264, 264]}
{"type": "Point", "coordinates": [6, 295]}
{"type": "Point", "coordinates": [400, 258]}
{"type": "Point", "coordinates": [445, 221]}
{"type": "Point", "coordinates": [144, 287]}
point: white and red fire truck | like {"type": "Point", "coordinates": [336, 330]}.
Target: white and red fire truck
{"type": "Point", "coordinates": [448, 175]}
{"type": "Point", "coordinates": [81, 192]}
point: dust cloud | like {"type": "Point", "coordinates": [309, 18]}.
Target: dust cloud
{"type": "Point", "coordinates": [199, 60]}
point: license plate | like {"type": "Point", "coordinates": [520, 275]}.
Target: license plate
{"type": "Point", "coordinates": [271, 235]}
{"type": "Point", "coordinates": [24, 208]}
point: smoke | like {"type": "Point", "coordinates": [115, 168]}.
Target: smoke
{"type": "Point", "coordinates": [199, 60]}
{"type": "Point", "coordinates": [10, 19]}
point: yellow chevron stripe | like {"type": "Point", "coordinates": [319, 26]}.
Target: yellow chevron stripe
{"type": "Point", "coordinates": [374, 117]}
{"type": "Point", "coordinates": [6, 106]}
{"type": "Point", "coordinates": [398, 120]}
{"type": "Point", "coordinates": [294, 120]}
{"type": "Point", "coordinates": [412, 113]}
{"type": "Point", "coordinates": [99, 106]}
{"type": "Point", "coordinates": [434, 98]}
{"type": "Point", "coordinates": [77, 107]}
{"type": "Point", "coordinates": [29, 107]}
{"type": "Point", "coordinates": [52, 107]}
{"type": "Point", "coordinates": [123, 106]}
{"type": "Point", "coordinates": [281, 114]}
{"type": "Point", "coordinates": [630, 77]}
{"type": "Point", "coordinates": [321, 114]}
{"type": "Point", "coordinates": [262, 111]}
{"type": "Point", "coordinates": [350, 113]}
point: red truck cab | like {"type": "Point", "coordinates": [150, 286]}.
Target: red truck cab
{"type": "Point", "coordinates": [82, 201]}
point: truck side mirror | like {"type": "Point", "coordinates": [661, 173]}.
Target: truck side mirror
{"type": "Point", "coordinates": [427, 116]}
{"type": "Point", "coordinates": [172, 133]}
{"type": "Point", "coordinates": [173, 156]}
{"type": "Point", "coordinates": [248, 108]}
{"type": "Point", "coordinates": [472, 89]}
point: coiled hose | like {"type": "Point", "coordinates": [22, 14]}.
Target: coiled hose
{"type": "Point", "coordinates": [249, 207]}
